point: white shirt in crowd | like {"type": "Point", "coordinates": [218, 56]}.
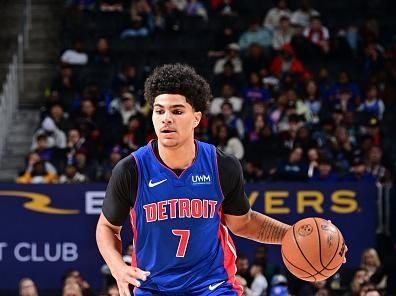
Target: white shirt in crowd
{"type": "Point", "coordinates": [72, 57]}
{"type": "Point", "coordinates": [215, 105]}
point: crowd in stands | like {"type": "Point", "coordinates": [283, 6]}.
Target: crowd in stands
{"type": "Point", "coordinates": [293, 100]}
{"type": "Point", "coordinates": [259, 278]}
{"type": "Point", "coordinates": [277, 106]}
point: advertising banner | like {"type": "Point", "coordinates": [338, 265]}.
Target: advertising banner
{"type": "Point", "coordinates": [49, 229]}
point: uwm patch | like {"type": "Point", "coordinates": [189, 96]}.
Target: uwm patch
{"type": "Point", "coordinates": [201, 179]}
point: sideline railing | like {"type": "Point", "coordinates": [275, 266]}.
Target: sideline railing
{"type": "Point", "coordinates": [14, 81]}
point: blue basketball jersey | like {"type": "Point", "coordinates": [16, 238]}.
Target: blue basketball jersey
{"type": "Point", "coordinates": [179, 233]}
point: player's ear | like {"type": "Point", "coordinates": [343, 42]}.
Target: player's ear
{"type": "Point", "coordinates": [197, 116]}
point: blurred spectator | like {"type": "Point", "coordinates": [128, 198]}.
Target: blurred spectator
{"type": "Point", "coordinates": [360, 278]}
{"type": "Point", "coordinates": [229, 143]}
{"type": "Point", "coordinates": [167, 15]}
{"type": "Point", "coordinates": [318, 34]}
{"type": "Point", "coordinates": [278, 111]}
{"type": "Point", "coordinates": [224, 7]}
{"type": "Point", "coordinates": [259, 285]}
{"type": "Point", "coordinates": [66, 85]}
{"type": "Point", "coordinates": [102, 54]}
{"type": "Point", "coordinates": [111, 6]}
{"type": "Point", "coordinates": [344, 102]}
{"type": "Point", "coordinates": [46, 153]}
{"type": "Point", "coordinates": [126, 80]}
{"type": "Point", "coordinates": [375, 165]}
{"type": "Point", "coordinates": [196, 8]}
{"type": "Point", "coordinates": [279, 286]}
{"type": "Point", "coordinates": [255, 91]}
{"type": "Point", "coordinates": [55, 137]}
{"type": "Point", "coordinates": [141, 20]}
{"type": "Point", "coordinates": [255, 61]}
{"type": "Point", "coordinates": [256, 34]}
{"type": "Point", "coordinates": [302, 16]}
{"type": "Point", "coordinates": [133, 136]}
{"type": "Point", "coordinates": [324, 172]}
{"type": "Point", "coordinates": [71, 289]}
{"type": "Point", "coordinates": [373, 59]}
{"type": "Point", "coordinates": [228, 76]}
{"type": "Point", "coordinates": [292, 169]}
{"type": "Point", "coordinates": [311, 289]}
{"type": "Point", "coordinates": [225, 36]}
{"type": "Point", "coordinates": [233, 122]}
{"type": "Point", "coordinates": [77, 144]}
{"type": "Point", "coordinates": [71, 175]}
{"type": "Point", "coordinates": [232, 56]}
{"type": "Point", "coordinates": [36, 173]}
{"type": "Point", "coordinates": [344, 83]}
{"type": "Point", "coordinates": [59, 117]}
{"type": "Point", "coordinates": [358, 172]}
{"type": "Point", "coordinates": [113, 291]}
{"type": "Point", "coordinates": [283, 34]}
{"type": "Point", "coordinates": [372, 105]}
{"type": "Point", "coordinates": [74, 277]}
{"type": "Point", "coordinates": [286, 61]}
{"type": "Point", "coordinates": [81, 4]}
{"type": "Point", "coordinates": [107, 167]}
{"type": "Point", "coordinates": [126, 108]}
{"type": "Point", "coordinates": [371, 262]}
{"type": "Point", "coordinates": [75, 55]}
{"type": "Point", "coordinates": [273, 16]}
{"type": "Point", "coordinates": [255, 132]}
{"type": "Point", "coordinates": [27, 287]}
{"type": "Point", "coordinates": [312, 102]}
{"type": "Point", "coordinates": [324, 83]}
{"type": "Point", "coordinates": [313, 160]}
{"type": "Point", "coordinates": [227, 95]}
{"type": "Point", "coordinates": [242, 265]}
{"type": "Point", "coordinates": [372, 130]}
{"type": "Point", "coordinates": [342, 150]}
{"type": "Point", "coordinates": [261, 258]}
{"type": "Point", "coordinates": [370, 31]}
{"type": "Point", "coordinates": [90, 120]}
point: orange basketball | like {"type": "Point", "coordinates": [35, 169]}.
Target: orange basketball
{"type": "Point", "coordinates": [313, 249]}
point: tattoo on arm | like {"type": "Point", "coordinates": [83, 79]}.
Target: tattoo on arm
{"type": "Point", "coordinates": [269, 230]}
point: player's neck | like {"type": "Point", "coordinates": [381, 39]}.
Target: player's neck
{"type": "Point", "coordinates": [179, 157]}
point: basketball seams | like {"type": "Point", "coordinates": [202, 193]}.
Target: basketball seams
{"type": "Point", "coordinates": [284, 256]}
{"type": "Point", "coordinates": [302, 253]}
{"type": "Point", "coordinates": [320, 244]}
{"type": "Point", "coordinates": [335, 253]}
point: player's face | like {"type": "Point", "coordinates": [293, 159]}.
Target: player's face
{"type": "Point", "coordinates": [174, 120]}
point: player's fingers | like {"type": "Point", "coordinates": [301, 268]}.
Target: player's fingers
{"type": "Point", "coordinates": [133, 281]}
{"type": "Point", "coordinates": [139, 274]}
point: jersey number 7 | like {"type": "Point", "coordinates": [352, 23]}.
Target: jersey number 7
{"type": "Point", "coordinates": [183, 242]}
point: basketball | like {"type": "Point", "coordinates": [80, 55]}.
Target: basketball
{"type": "Point", "coordinates": [313, 249]}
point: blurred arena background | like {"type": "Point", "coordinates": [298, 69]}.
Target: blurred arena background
{"type": "Point", "coordinates": [304, 94]}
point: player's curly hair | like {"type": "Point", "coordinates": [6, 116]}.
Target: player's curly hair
{"type": "Point", "coordinates": [178, 79]}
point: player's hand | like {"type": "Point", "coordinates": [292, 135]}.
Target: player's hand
{"type": "Point", "coordinates": [346, 250]}
{"type": "Point", "coordinates": [128, 275]}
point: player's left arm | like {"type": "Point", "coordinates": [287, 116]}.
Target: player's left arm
{"type": "Point", "coordinates": [239, 217]}
{"type": "Point", "coordinates": [257, 226]}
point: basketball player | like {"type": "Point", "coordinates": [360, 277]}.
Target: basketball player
{"type": "Point", "coordinates": [183, 196]}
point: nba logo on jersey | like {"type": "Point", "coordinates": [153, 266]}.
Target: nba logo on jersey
{"type": "Point", "coordinates": [201, 179]}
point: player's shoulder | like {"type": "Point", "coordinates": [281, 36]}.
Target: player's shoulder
{"type": "Point", "coordinates": [125, 165]}
{"type": "Point", "coordinates": [228, 163]}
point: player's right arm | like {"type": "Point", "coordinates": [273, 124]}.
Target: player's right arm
{"type": "Point", "coordinates": [109, 244]}
{"type": "Point", "coordinates": [120, 196]}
